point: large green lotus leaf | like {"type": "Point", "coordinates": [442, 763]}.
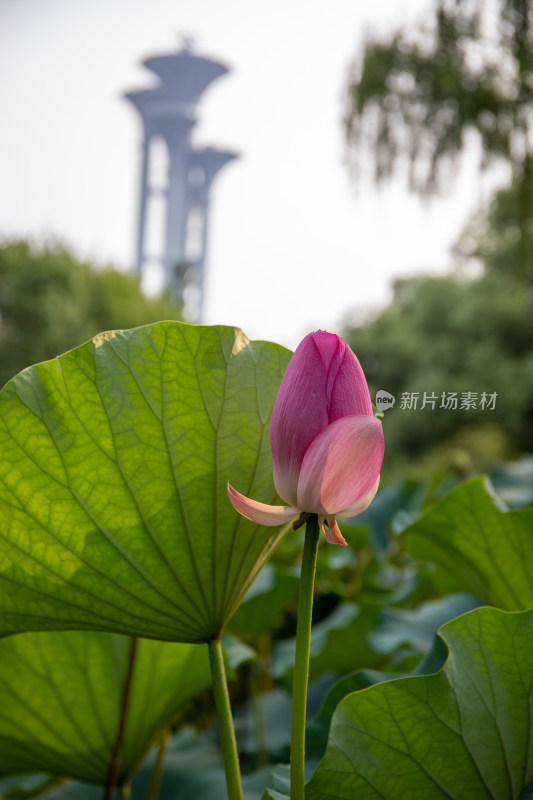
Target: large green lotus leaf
{"type": "Point", "coordinates": [477, 546]}
{"type": "Point", "coordinates": [61, 694]}
{"type": "Point", "coordinates": [317, 730]}
{"type": "Point", "coordinates": [463, 732]}
{"type": "Point", "coordinates": [396, 627]}
{"type": "Point", "coordinates": [113, 468]}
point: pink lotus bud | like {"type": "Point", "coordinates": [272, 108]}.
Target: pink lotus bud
{"type": "Point", "coordinates": [327, 447]}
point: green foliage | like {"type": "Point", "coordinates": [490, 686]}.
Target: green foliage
{"type": "Point", "coordinates": [269, 596]}
{"type": "Point", "coordinates": [418, 94]}
{"type": "Point", "coordinates": [50, 302]}
{"type": "Point", "coordinates": [514, 482]}
{"type": "Point", "coordinates": [452, 334]}
{"type": "Point", "coordinates": [61, 695]}
{"type": "Point", "coordinates": [493, 561]}
{"type": "Point", "coordinates": [114, 517]}
{"type": "Point", "coordinates": [342, 642]}
{"type": "Point", "coordinates": [339, 644]}
{"type": "Point", "coordinates": [416, 97]}
{"type": "Point", "coordinates": [113, 506]}
{"type": "Point", "coordinates": [317, 732]}
{"type": "Point", "coordinates": [500, 236]}
{"type": "Point", "coordinates": [464, 732]}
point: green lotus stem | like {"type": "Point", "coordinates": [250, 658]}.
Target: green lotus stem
{"type": "Point", "coordinates": [152, 793]}
{"type": "Point", "coordinates": [301, 659]}
{"type": "Point", "coordinates": [258, 717]}
{"type": "Point", "coordinates": [112, 774]}
{"type": "Point", "coordinates": [225, 720]}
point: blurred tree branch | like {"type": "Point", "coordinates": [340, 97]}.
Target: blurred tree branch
{"type": "Point", "coordinates": [415, 99]}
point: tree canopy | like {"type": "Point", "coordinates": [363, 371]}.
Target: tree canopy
{"type": "Point", "coordinates": [50, 301]}
{"type": "Point", "coordinates": [414, 100]}
{"type": "Point", "coordinates": [419, 93]}
{"type": "Point", "coordinates": [417, 98]}
{"type": "Point", "coordinates": [450, 335]}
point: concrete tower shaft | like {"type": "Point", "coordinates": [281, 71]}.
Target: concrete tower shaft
{"type": "Point", "coordinates": [168, 114]}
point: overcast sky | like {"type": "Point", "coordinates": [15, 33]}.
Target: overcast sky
{"type": "Point", "coordinates": [293, 246]}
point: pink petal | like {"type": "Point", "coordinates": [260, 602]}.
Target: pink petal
{"type": "Point", "coordinates": [348, 394]}
{"type": "Point", "coordinates": [341, 466]}
{"type": "Point", "coordinates": [261, 513]}
{"type": "Point", "coordinates": [323, 382]}
{"type": "Point", "coordinates": [332, 532]}
{"type": "Point", "coordinates": [300, 413]}
{"type": "Point", "coordinates": [360, 506]}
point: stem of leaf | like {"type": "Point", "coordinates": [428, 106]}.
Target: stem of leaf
{"type": "Point", "coordinates": [152, 793]}
{"type": "Point", "coordinates": [124, 706]}
{"type": "Point", "coordinates": [258, 717]}
{"type": "Point", "coordinates": [225, 720]}
{"type": "Point", "coordinates": [301, 660]}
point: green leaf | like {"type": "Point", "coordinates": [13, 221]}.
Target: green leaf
{"type": "Point", "coordinates": [338, 644]}
{"type": "Point", "coordinates": [73, 790]}
{"type": "Point", "coordinates": [114, 461]}
{"type": "Point", "coordinates": [404, 498]}
{"type": "Point", "coordinates": [463, 732]}
{"type": "Point", "coordinates": [317, 731]}
{"type": "Point", "coordinates": [477, 546]}
{"type": "Point", "coordinates": [26, 787]}
{"type": "Point", "coordinates": [268, 597]}
{"type": "Point", "coordinates": [61, 693]}
{"type": "Point", "coordinates": [416, 627]}
{"type": "Point", "coordinates": [193, 770]}
{"type": "Point", "coordinates": [265, 723]}
{"type": "Point", "coordinates": [514, 481]}
{"type": "Point", "coordinates": [527, 794]}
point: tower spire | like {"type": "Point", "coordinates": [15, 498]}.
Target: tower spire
{"type": "Point", "coordinates": [167, 111]}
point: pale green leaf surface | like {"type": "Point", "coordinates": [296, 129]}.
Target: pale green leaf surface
{"type": "Point", "coordinates": [61, 693]}
{"type": "Point", "coordinates": [478, 547]}
{"type": "Point", "coordinates": [114, 461]}
{"type": "Point", "coordinates": [416, 627]}
{"type": "Point", "coordinates": [463, 732]}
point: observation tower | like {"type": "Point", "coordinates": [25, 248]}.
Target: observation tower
{"type": "Point", "coordinates": [176, 177]}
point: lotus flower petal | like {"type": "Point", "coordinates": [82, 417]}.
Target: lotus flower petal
{"type": "Point", "coordinates": [359, 507]}
{"type": "Point", "coordinates": [261, 513]}
{"type": "Point", "coordinates": [346, 389]}
{"type": "Point", "coordinates": [341, 466]}
{"type": "Point", "coordinates": [332, 532]}
{"type": "Point", "coordinates": [327, 447]}
{"type": "Point", "coordinates": [323, 382]}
